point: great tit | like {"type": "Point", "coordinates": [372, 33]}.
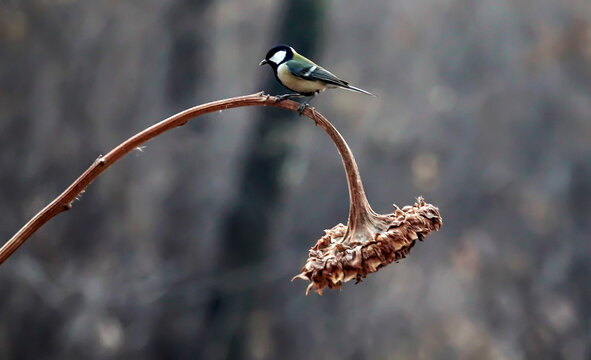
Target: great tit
{"type": "Point", "coordinates": [301, 75]}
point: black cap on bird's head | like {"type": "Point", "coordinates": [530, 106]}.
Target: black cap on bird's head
{"type": "Point", "coordinates": [278, 55]}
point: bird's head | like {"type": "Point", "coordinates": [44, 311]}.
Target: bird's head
{"type": "Point", "coordinates": [278, 55]}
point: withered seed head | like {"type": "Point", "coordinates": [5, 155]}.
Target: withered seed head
{"type": "Point", "coordinates": [342, 255]}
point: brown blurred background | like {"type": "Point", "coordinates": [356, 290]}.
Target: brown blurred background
{"type": "Point", "coordinates": [185, 250]}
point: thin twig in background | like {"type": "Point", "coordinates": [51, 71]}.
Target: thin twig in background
{"type": "Point", "coordinates": [369, 242]}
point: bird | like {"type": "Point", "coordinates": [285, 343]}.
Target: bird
{"type": "Point", "coordinates": [302, 75]}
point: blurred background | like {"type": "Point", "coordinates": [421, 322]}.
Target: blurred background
{"type": "Point", "coordinates": [186, 250]}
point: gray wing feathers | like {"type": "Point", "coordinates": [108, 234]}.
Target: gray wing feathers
{"type": "Point", "coordinates": [313, 72]}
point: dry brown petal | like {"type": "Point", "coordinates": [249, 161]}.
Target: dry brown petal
{"type": "Point", "coordinates": [340, 256]}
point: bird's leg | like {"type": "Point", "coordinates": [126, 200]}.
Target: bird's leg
{"type": "Point", "coordinates": [288, 96]}
{"type": "Point", "coordinates": [304, 105]}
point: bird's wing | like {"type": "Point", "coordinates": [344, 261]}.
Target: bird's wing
{"type": "Point", "coordinates": [309, 71]}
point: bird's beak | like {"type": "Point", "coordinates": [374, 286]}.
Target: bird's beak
{"type": "Point", "coordinates": [263, 62]}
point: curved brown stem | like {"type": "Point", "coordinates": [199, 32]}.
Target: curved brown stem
{"type": "Point", "coordinates": [359, 210]}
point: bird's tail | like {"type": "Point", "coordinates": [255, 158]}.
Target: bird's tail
{"type": "Point", "coordinates": [356, 89]}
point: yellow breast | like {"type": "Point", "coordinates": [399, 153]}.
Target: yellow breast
{"type": "Point", "coordinates": [296, 84]}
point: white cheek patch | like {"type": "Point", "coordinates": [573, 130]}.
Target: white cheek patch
{"type": "Point", "coordinates": [278, 56]}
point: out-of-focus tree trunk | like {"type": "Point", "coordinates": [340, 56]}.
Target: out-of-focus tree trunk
{"type": "Point", "coordinates": [245, 231]}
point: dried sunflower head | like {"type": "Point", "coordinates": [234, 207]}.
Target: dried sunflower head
{"type": "Point", "coordinates": [374, 241]}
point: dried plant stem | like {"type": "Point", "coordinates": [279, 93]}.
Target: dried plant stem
{"type": "Point", "coordinates": [65, 200]}
{"type": "Point", "coordinates": [360, 210]}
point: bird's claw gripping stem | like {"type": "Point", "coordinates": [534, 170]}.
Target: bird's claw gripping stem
{"type": "Point", "coordinates": [302, 108]}
{"type": "Point", "coordinates": [287, 96]}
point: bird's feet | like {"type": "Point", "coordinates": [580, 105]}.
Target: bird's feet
{"type": "Point", "coordinates": [287, 96]}
{"type": "Point", "coordinates": [302, 108]}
